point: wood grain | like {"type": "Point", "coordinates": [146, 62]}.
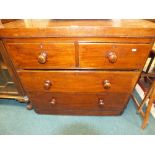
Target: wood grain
{"type": "Point", "coordinates": [78, 101]}
{"type": "Point", "coordinates": [79, 81]}
{"type": "Point", "coordinates": [95, 55]}
{"type": "Point", "coordinates": [78, 28]}
{"type": "Point", "coordinates": [25, 55]}
{"type": "Point", "coordinates": [80, 40]}
{"type": "Point", "coordinates": [80, 112]}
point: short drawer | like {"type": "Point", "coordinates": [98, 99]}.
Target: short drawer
{"type": "Point", "coordinates": [42, 56]}
{"type": "Point", "coordinates": [112, 55]}
{"type": "Point", "coordinates": [78, 81]}
{"type": "Point", "coordinates": [78, 101]}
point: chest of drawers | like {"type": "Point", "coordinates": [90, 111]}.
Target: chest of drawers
{"type": "Point", "coordinates": [78, 67]}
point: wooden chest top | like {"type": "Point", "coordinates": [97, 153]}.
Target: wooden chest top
{"type": "Point", "coordinates": [77, 28]}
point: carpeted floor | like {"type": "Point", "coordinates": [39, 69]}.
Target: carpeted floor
{"type": "Point", "coordinates": [15, 119]}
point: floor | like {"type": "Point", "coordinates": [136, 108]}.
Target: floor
{"type": "Point", "coordinates": [15, 119]}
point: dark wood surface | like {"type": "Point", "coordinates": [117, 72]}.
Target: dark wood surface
{"type": "Point", "coordinates": [80, 112]}
{"type": "Point", "coordinates": [78, 101]}
{"type": "Point", "coordinates": [87, 55]}
{"type": "Point", "coordinates": [26, 55]}
{"type": "Point", "coordinates": [78, 67]}
{"type": "Point", "coordinates": [77, 28]}
{"type": "Point", "coordinates": [79, 81]}
{"type": "Point", "coordinates": [83, 39]}
{"type": "Point", "coordinates": [97, 55]}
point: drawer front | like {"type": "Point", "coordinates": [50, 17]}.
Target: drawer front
{"type": "Point", "coordinates": [42, 56]}
{"type": "Point", "coordinates": [78, 81]}
{"type": "Point", "coordinates": [112, 55]}
{"type": "Point", "coordinates": [78, 101]}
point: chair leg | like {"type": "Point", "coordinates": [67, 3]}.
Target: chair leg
{"type": "Point", "coordinates": [149, 65]}
{"type": "Point", "coordinates": [148, 68]}
{"type": "Point", "coordinates": [147, 114]}
{"type": "Point", "coordinates": [145, 98]}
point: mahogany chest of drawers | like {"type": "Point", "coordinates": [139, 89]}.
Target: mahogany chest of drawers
{"type": "Point", "coordinates": [78, 67]}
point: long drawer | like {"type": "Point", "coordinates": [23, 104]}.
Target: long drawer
{"type": "Point", "coordinates": [42, 55]}
{"type": "Point", "coordinates": [113, 55]}
{"type": "Point", "coordinates": [78, 101]}
{"type": "Point", "coordinates": [78, 81]}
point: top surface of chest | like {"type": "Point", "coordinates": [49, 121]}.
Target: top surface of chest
{"type": "Point", "coordinates": [77, 28]}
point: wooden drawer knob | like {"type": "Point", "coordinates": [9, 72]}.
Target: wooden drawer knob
{"type": "Point", "coordinates": [112, 57]}
{"type": "Point", "coordinates": [53, 101]}
{"type": "Point", "coordinates": [101, 102]}
{"type": "Point", "coordinates": [47, 84]}
{"type": "Point", "coordinates": [42, 58]}
{"type": "Point", "coordinates": [107, 84]}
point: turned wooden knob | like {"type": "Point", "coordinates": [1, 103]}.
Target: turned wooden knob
{"type": "Point", "coordinates": [112, 57]}
{"type": "Point", "coordinates": [42, 58]}
{"type": "Point", "coordinates": [53, 101]}
{"type": "Point", "coordinates": [47, 84]}
{"type": "Point", "coordinates": [107, 84]}
{"type": "Point", "coordinates": [101, 102]}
